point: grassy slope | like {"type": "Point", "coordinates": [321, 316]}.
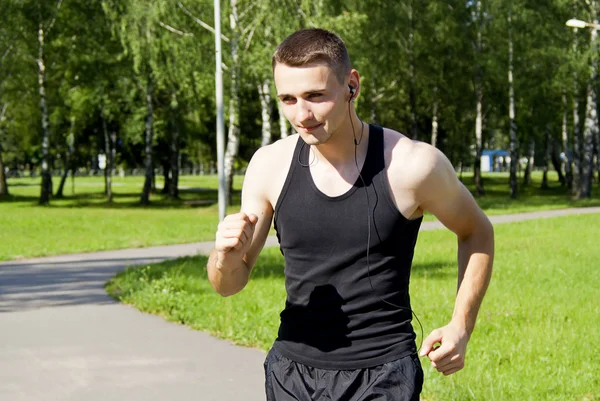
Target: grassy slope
{"type": "Point", "coordinates": [537, 330]}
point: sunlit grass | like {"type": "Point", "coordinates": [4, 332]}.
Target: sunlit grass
{"type": "Point", "coordinates": [84, 221]}
{"type": "Point", "coordinates": [537, 329]}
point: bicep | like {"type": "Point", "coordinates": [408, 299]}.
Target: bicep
{"type": "Point", "coordinates": [444, 196]}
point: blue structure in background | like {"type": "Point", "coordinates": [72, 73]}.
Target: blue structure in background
{"type": "Point", "coordinates": [494, 160]}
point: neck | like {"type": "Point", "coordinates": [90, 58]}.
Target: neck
{"type": "Point", "coordinates": [340, 148]}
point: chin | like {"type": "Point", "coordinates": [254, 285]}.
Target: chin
{"type": "Point", "coordinates": [313, 140]}
{"type": "Point", "coordinates": [317, 138]}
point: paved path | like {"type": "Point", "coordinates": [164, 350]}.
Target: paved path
{"type": "Point", "coordinates": [63, 338]}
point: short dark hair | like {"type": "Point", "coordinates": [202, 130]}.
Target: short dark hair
{"type": "Point", "coordinates": [312, 45]}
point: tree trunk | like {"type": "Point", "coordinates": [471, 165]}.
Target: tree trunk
{"type": "Point", "coordinates": [166, 165]}
{"type": "Point", "coordinates": [530, 162]}
{"type": "Point", "coordinates": [413, 90]}
{"type": "Point", "coordinates": [145, 198]}
{"type": "Point", "coordinates": [108, 153]}
{"type": "Point", "coordinates": [264, 93]}
{"type": "Point", "coordinates": [3, 183]}
{"type": "Point", "coordinates": [576, 184]}
{"type": "Point", "coordinates": [597, 152]}
{"type": "Point", "coordinates": [565, 145]}
{"type": "Point", "coordinates": [556, 162]}
{"type": "Point", "coordinates": [283, 126]}
{"type": "Point", "coordinates": [434, 118]}
{"type": "Point", "coordinates": [233, 136]}
{"type": "Point", "coordinates": [68, 162]}
{"type": "Point", "coordinates": [514, 155]}
{"type": "Point", "coordinates": [46, 190]}
{"type": "Point", "coordinates": [546, 159]}
{"type": "Point", "coordinates": [479, 190]}
{"type": "Point", "coordinates": [174, 159]}
{"type": "Point", "coordinates": [591, 124]}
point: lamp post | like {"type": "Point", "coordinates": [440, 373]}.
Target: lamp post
{"type": "Point", "coordinates": [220, 112]}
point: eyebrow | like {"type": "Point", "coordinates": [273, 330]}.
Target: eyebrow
{"type": "Point", "coordinates": [282, 95]}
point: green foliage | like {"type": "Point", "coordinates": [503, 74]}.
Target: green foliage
{"type": "Point", "coordinates": [409, 53]}
{"type": "Point", "coordinates": [526, 346]}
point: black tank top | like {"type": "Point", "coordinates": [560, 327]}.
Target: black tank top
{"type": "Point", "coordinates": [333, 319]}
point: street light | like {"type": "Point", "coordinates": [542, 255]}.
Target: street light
{"type": "Point", "coordinates": [220, 112]}
{"type": "Point", "coordinates": [576, 23]}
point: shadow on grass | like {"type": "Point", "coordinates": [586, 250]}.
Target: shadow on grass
{"type": "Point", "coordinates": [188, 198]}
{"type": "Point", "coordinates": [438, 269]}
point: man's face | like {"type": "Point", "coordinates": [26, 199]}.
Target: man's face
{"type": "Point", "coordinates": [313, 100]}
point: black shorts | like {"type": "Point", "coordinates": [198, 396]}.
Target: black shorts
{"type": "Point", "coordinates": [286, 380]}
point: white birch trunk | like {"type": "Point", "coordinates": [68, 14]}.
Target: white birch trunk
{"type": "Point", "coordinates": [413, 79]}
{"type": "Point", "coordinates": [530, 161]}
{"type": "Point", "coordinates": [149, 176]}
{"type": "Point", "coordinates": [233, 135]}
{"type": "Point", "coordinates": [479, 109]}
{"type": "Point", "coordinates": [576, 184]}
{"type": "Point", "coordinates": [108, 153]}
{"type": "Point", "coordinates": [514, 154]}
{"type": "Point", "coordinates": [565, 142]}
{"type": "Point", "coordinates": [591, 122]}
{"type": "Point", "coordinates": [175, 152]}
{"type": "Point", "coordinates": [46, 190]}
{"type": "Point", "coordinates": [283, 124]}
{"type": "Point", "coordinates": [264, 93]}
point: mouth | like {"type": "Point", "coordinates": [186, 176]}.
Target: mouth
{"type": "Point", "coordinates": [310, 129]}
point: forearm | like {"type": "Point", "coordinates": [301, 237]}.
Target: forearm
{"type": "Point", "coordinates": [227, 274]}
{"type": "Point", "coordinates": [475, 259]}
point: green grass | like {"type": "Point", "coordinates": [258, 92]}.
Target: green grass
{"type": "Point", "coordinates": [537, 332]}
{"type": "Point", "coordinates": [84, 221]}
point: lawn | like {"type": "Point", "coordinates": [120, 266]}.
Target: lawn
{"type": "Point", "coordinates": [536, 337]}
{"type": "Point", "coordinates": [84, 221]}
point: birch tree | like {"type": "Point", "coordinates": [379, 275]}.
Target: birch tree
{"type": "Point", "coordinates": [479, 190]}
{"type": "Point", "coordinates": [514, 152]}
{"type": "Point", "coordinates": [591, 115]}
{"type": "Point", "coordinates": [135, 22]}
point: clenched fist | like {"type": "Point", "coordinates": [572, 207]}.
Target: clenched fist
{"type": "Point", "coordinates": [235, 233]}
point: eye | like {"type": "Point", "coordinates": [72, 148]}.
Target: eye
{"type": "Point", "coordinates": [314, 95]}
{"type": "Point", "coordinates": [288, 100]}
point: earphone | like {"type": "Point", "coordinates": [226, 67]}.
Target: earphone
{"type": "Point", "coordinates": [356, 143]}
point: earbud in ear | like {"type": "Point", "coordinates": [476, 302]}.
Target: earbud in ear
{"type": "Point", "coordinates": [351, 92]}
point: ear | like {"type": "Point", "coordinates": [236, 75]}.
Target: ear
{"type": "Point", "coordinates": [354, 83]}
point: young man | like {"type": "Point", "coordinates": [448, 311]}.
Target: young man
{"type": "Point", "coordinates": [347, 200]}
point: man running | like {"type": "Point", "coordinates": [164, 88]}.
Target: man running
{"type": "Point", "coordinates": [347, 200]}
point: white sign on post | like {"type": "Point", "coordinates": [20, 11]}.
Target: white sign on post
{"type": "Point", "coordinates": [102, 161]}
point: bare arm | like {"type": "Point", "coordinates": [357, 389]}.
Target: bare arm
{"type": "Point", "coordinates": [240, 237]}
{"type": "Point", "coordinates": [442, 194]}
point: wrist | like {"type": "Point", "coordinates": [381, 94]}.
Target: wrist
{"type": "Point", "coordinates": [462, 325]}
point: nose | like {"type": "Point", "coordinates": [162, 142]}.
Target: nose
{"type": "Point", "coordinates": [303, 111]}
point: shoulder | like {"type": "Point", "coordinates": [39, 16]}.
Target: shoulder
{"type": "Point", "coordinates": [273, 156]}
{"type": "Point", "coordinates": [418, 165]}
{"type": "Point", "coordinates": [269, 167]}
